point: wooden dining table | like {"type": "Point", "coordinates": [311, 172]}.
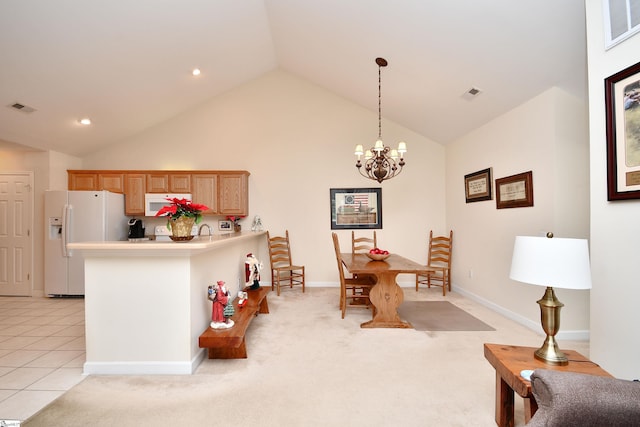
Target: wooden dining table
{"type": "Point", "coordinates": [386, 295]}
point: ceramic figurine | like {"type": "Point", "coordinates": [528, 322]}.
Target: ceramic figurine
{"type": "Point", "coordinates": [257, 224]}
{"type": "Point", "coordinates": [252, 272]}
{"type": "Point", "coordinates": [219, 294]}
{"type": "Point", "coordinates": [242, 299]}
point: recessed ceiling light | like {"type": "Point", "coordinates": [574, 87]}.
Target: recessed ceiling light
{"type": "Point", "coordinates": [196, 71]}
{"type": "Point", "coordinates": [86, 121]}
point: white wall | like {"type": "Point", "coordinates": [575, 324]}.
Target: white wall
{"type": "Point", "coordinates": [297, 141]}
{"type": "Point", "coordinates": [615, 229]}
{"type": "Point", "coordinates": [548, 136]}
{"type": "Point", "coordinates": [49, 173]}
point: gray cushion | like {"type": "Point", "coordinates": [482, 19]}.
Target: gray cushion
{"type": "Point", "coordinates": [568, 399]}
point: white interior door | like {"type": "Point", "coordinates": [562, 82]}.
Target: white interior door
{"type": "Point", "coordinates": [16, 237]}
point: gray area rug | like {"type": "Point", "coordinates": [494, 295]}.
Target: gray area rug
{"type": "Point", "coordinates": [439, 316]}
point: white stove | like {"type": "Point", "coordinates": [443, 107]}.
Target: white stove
{"type": "Point", "coordinates": [162, 233]}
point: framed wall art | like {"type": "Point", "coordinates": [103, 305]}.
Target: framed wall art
{"type": "Point", "coordinates": [515, 191]}
{"type": "Point", "coordinates": [622, 102]}
{"type": "Point", "coordinates": [354, 208]}
{"type": "Point", "coordinates": [477, 186]}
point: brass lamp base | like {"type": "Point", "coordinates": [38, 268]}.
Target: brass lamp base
{"type": "Point", "coordinates": [550, 318]}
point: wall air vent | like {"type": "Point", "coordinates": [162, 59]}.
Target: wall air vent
{"type": "Point", "coordinates": [21, 107]}
{"type": "Point", "coordinates": [471, 93]}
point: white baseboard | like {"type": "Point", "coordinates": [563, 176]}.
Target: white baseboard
{"type": "Point", "coordinates": [144, 368]}
{"type": "Point", "coordinates": [576, 335]}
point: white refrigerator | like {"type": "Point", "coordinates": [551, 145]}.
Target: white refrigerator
{"type": "Point", "coordinates": [77, 216]}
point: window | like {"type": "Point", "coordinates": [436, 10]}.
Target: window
{"type": "Point", "coordinates": [621, 20]}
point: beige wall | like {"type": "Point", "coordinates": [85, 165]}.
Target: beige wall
{"type": "Point", "coordinates": [615, 229]}
{"type": "Point", "coordinates": [548, 136]}
{"type": "Point", "coordinates": [297, 141]}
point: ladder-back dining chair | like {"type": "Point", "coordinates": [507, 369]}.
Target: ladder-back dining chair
{"type": "Point", "coordinates": [439, 262]}
{"type": "Point", "coordinates": [360, 245]}
{"type": "Point", "coordinates": [283, 271]}
{"type": "Point", "coordinates": [354, 292]}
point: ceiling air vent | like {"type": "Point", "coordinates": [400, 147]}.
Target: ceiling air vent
{"type": "Point", "coordinates": [21, 107]}
{"type": "Point", "coordinates": [471, 93]}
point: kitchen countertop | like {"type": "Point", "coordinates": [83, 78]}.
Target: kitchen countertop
{"type": "Point", "coordinates": [195, 246]}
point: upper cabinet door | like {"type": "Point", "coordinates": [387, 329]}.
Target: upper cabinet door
{"type": "Point", "coordinates": [83, 181]}
{"type": "Point", "coordinates": [233, 194]}
{"type": "Point", "coordinates": [158, 183]}
{"type": "Point", "coordinates": [205, 191]}
{"type": "Point", "coordinates": [113, 182]}
{"type": "Point", "coordinates": [135, 187]}
{"type": "Point", "coordinates": [180, 183]}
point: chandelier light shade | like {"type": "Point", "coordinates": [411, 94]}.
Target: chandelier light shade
{"type": "Point", "coordinates": [549, 262]}
{"type": "Point", "coordinates": [380, 162]}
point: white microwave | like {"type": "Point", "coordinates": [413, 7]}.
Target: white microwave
{"type": "Point", "coordinates": [153, 202]}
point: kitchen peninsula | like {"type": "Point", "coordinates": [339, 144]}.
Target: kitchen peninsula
{"type": "Point", "coordinates": [146, 303]}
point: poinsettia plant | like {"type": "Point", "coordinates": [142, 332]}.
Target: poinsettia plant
{"type": "Point", "coordinates": [182, 207]}
{"type": "Point", "coordinates": [235, 218]}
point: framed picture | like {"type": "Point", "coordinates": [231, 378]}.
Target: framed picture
{"type": "Point", "coordinates": [515, 191]}
{"type": "Point", "coordinates": [622, 99]}
{"type": "Point", "coordinates": [477, 186]}
{"type": "Point", "coordinates": [353, 208]}
{"type": "Point", "coordinates": [224, 225]}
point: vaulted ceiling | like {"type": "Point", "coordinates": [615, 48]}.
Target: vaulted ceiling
{"type": "Point", "coordinates": [127, 64]}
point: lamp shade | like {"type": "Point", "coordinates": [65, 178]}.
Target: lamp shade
{"type": "Point", "coordinates": [556, 262]}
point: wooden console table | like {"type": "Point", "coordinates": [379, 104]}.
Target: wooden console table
{"type": "Point", "coordinates": [510, 360]}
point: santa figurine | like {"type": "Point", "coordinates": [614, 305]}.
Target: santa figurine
{"type": "Point", "coordinates": [252, 272]}
{"type": "Point", "coordinates": [219, 294]}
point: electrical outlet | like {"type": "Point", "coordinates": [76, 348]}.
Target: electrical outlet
{"type": "Point", "coordinates": [470, 273]}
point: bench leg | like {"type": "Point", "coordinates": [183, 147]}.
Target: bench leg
{"type": "Point", "coordinates": [229, 353]}
{"type": "Point", "coordinates": [264, 307]}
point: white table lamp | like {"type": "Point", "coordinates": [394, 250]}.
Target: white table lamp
{"type": "Point", "coordinates": [547, 261]}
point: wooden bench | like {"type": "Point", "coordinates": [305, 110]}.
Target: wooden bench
{"type": "Point", "coordinates": [230, 343]}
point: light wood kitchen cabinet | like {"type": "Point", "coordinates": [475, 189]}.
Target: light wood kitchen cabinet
{"type": "Point", "coordinates": [96, 181]}
{"type": "Point", "coordinates": [158, 182]}
{"type": "Point", "coordinates": [168, 182]}
{"type": "Point", "coordinates": [233, 198]}
{"type": "Point", "coordinates": [83, 181]}
{"type": "Point", "coordinates": [179, 183]}
{"type": "Point", "coordinates": [113, 182]}
{"type": "Point", "coordinates": [223, 192]}
{"type": "Point", "coordinates": [205, 191]}
{"type": "Point", "coordinates": [134, 190]}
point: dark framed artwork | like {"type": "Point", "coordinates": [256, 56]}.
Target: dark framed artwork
{"type": "Point", "coordinates": [622, 101]}
{"type": "Point", "coordinates": [354, 208]}
{"type": "Point", "coordinates": [477, 186]}
{"type": "Point", "coordinates": [515, 191]}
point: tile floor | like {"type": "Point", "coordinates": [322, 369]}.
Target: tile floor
{"type": "Point", "coordinates": [42, 352]}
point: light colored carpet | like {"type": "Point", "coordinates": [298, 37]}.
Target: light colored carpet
{"type": "Point", "coordinates": [309, 367]}
{"type": "Point", "coordinates": [439, 316]}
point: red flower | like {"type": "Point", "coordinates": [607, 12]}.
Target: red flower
{"type": "Point", "coordinates": [234, 218]}
{"type": "Point", "coordinates": [182, 207]}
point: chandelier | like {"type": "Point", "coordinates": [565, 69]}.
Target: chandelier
{"type": "Point", "coordinates": [380, 162]}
